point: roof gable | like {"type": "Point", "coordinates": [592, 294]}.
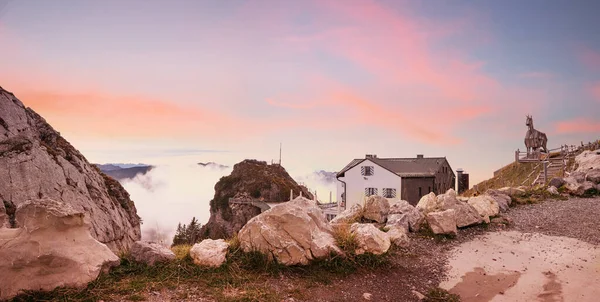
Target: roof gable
{"type": "Point", "coordinates": [405, 167]}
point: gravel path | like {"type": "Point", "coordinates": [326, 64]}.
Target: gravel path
{"type": "Point", "coordinates": [576, 218]}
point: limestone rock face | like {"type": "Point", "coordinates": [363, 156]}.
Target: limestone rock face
{"type": "Point", "coordinates": [376, 208]}
{"type": "Point", "coordinates": [587, 160]}
{"type": "Point", "coordinates": [577, 176]}
{"type": "Point", "coordinates": [370, 239]}
{"type": "Point", "coordinates": [52, 247]}
{"type": "Point", "coordinates": [351, 215]}
{"type": "Point", "coordinates": [398, 236]}
{"type": "Point", "coordinates": [150, 252]}
{"type": "Point", "coordinates": [209, 252]}
{"type": "Point", "coordinates": [443, 222]}
{"type": "Point", "coordinates": [502, 199]}
{"type": "Point", "coordinates": [428, 203]}
{"type": "Point", "coordinates": [294, 232]}
{"type": "Point", "coordinates": [37, 163]}
{"type": "Point", "coordinates": [486, 206]}
{"type": "Point", "coordinates": [593, 175]}
{"type": "Point", "coordinates": [556, 182]}
{"type": "Point", "coordinates": [250, 179]}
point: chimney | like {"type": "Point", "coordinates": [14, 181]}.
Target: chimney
{"type": "Point", "coordinates": [370, 155]}
{"type": "Point", "coordinates": [419, 155]}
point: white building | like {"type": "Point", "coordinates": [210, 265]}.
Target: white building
{"type": "Point", "coordinates": [393, 178]}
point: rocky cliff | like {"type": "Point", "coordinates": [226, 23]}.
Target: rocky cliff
{"type": "Point", "coordinates": [251, 179]}
{"type": "Point", "coordinates": [36, 162]}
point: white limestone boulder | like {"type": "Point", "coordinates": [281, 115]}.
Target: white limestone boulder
{"type": "Point", "coordinates": [150, 252]}
{"type": "Point", "coordinates": [294, 232]}
{"type": "Point", "coordinates": [593, 175]}
{"type": "Point", "coordinates": [209, 252]}
{"type": "Point", "coordinates": [351, 215]}
{"type": "Point", "coordinates": [486, 206]}
{"type": "Point", "coordinates": [428, 203]}
{"type": "Point", "coordinates": [443, 222]}
{"type": "Point", "coordinates": [370, 239]}
{"type": "Point", "coordinates": [587, 160]}
{"type": "Point", "coordinates": [553, 190]}
{"type": "Point", "coordinates": [504, 201]}
{"type": "Point", "coordinates": [405, 215]}
{"type": "Point", "coordinates": [376, 208]}
{"type": "Point", "coordinates": [51, 247]}
{"type": "Point", "coordinates": [398, 236]}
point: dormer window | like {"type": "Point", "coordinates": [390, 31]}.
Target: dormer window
{"type": "Point", "coordinates": [366, 170]}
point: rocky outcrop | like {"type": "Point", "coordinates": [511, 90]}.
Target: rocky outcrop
{"type": "Point", "coordinates": [486, 206]}
{"type": "Point", "coordinates": [294, 232]}
{"type": "Point", "coordinates": [209, 252]}
{"type": "Point", "coordinates": [37, 163]}
{"type": "Point", "coordinates": [250, 179]}
{"type": "Point", "coordinates": [376, 208]}
{"type": "Point", "coordinates": [150, 252]}
{"type": "Point", "coordinates": [351, 215]}
{"type": "Point", "coordinates": [51, 247]}
{"type": "Point", "coordinates": [370, 239]}
{"type": "Point", "coordinates": [443, 222]}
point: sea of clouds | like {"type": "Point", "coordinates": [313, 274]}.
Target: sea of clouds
{"type": "Point", "coordinates": [174, 193]}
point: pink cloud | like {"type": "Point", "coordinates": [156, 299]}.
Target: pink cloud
{"type": "Point", "coordinates": [590, 58]}
{"type": "Point", "coordinates": [537, 75]}
{"type": "Point", "coordinates": [578, 126]}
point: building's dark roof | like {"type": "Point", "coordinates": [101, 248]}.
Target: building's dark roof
{"type": "Point", "coordinates": [404, 167]}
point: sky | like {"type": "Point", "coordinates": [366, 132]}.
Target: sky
{"type": "Point", "coordinates": [164, 82]}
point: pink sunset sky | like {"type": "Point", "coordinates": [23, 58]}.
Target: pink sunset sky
{"type": "Point", "coordinates": [163, 81]}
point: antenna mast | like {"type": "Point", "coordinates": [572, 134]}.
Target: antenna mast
{"type": "Point", "coordinates": [280, 154]}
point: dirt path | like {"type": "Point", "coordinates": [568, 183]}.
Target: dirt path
{"type": "Point", "coordinates": [515, 266]}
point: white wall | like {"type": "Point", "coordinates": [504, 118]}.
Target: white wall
{"type": "Point", "coordinates": [356, 183]}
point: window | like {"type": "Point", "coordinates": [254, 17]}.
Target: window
{"type": "Point", "coordinates": [389, 193]}
{"type": "Point", "coordinates": [370, 191]}
{"type": "Point", "coordinates": [420, 194]}
{"type": "Point", "coordinates": [429, 189]}
{"type": "Point", "coordinates": [366, 170]}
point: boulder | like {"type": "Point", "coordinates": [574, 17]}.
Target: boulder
{"type": "Point", "coordinates": [209, 252]}
{"type": "Point", "coordinates": [598, 187]}
{"type": "Point", "coordinates": [351, 215]}
{"type": "Point", "coordinates": [443, 222]}
{"type": "Point", "coordinates": [577, 176]}
{"type": "Point", "coordinates": [398, 236]}
{"type": "Point", "coordinates": [370, 239]}
{"type": "Point", "coordinates": [556, 182]}
{"type": "Point", "coordinates": [503, 200]}
{"type": "Point", "coordinates": [486, 206]}
{"type": "Point", "coordinates": [401, 212]}
{"type": "Point", "coordinates": [150, 252]}
{"type": "Point", "coordinates": [465, 214]}
{"type": "Point", "coordinates": [294, 232]}
{"type": "Point", "coordinates": [428, 203]}
{"type": "Point", "coordinates": [553, 190]}
{"type": "Point", "coordinates": [510, 191]}
{"type": "Point", "coordinates": [376, 208]}
{"type": "Point", "coordinates": [398, 221]}
{"type": "Point", "coordinates": [36, 162]}
{"type": "Point", "coordinates": [593, 176]}
{"type": "Point", "coordinates": [578, 189]}
{"type": "Point", "coordinates": [587, 160]}
{"type": "Point", "coordinates": [52, 247]}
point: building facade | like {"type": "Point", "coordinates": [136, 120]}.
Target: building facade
{"type": "Point", "coordinates": [393, 178]}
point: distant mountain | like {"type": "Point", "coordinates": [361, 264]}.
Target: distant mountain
{"type": "Point", "coordinates": [213, 165]}
{"type": "Point", "coordinates": [124, 171]}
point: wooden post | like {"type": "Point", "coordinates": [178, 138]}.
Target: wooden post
{"type": "Point", "coordinates": [545, 172]}
{"type": "Point", "coordinates": [291, 194]}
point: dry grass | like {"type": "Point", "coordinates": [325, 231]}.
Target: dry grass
{"type": "Point", "coordinates": [181, 251]}
{"type": "Point", "coordinates": [513, 175]}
